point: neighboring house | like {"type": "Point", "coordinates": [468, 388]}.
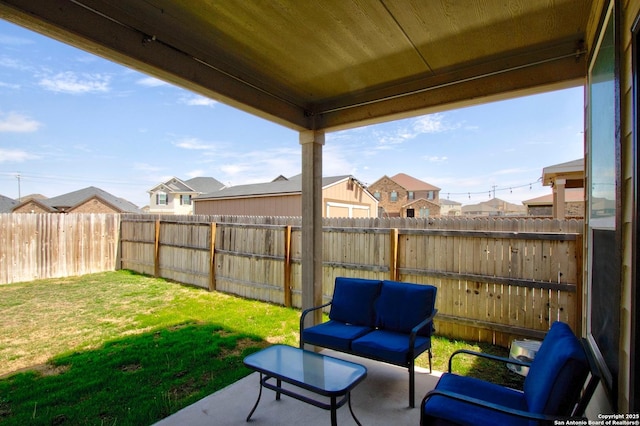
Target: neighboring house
{"type": "Point", "coordinates": [342, 196]}
{"type": "Point", "coordinates": [86, 200]}
{"type": "Point", "coordinates": [175, 196]}
{"type": "Point", "coordinates": [450, 208]}
{"type": "Point", "coordinates": [563, 177]}
{"type": "Point", "coordinates": [404, 196]}
{"type": "Point", "coordinates": [543, 206]}
{"type": "Point", "coordinates": [494, 207]}
{"type": "Point", "coordinates": [7, 204]}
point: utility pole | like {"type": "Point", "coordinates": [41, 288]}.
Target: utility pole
{"type": "Point", "coordinates": [493, 188]}
{"type": "Point", "coordinates": [19, 195]}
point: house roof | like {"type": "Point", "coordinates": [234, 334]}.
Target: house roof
{"type": "Point", "coordinates": [69, 200]}
{"type": "Point", "coordinates": [204, 185]}
{"type": "Point", "coordinates": [332, 64]}
{"type": "Point", "coordinates": [280, 186]}
{"type": "Point", "coordinates": [412, 184]}
{"type": "Point", "coordinates": [570, 195]}
{"type": "Point", "coordinates": [200, 185]}
{"type": "Point", "coordinates": [494, 205]}
{"type": "Point", "coordinates": [572, 172]}
{"type": "Point", "coordinates": [445, 202]}
{"type": "Point", "coordinates": [7, 204]}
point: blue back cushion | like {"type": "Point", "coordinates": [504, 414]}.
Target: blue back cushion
{"type": "Point", "coordinates": [353, 301]}
{"type": "Point", "coordinates": [402, 306]}
{"type": "Point", "coordinates": [557, 372]}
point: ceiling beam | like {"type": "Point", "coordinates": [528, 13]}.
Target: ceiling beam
{"type": "Point", "coordinates": [553, 68]}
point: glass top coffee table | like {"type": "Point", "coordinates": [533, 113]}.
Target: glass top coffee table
{"type": "Point", "coordinates": [320, 374]}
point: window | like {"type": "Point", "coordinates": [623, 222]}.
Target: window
{"type": "Point", "coordinates": [424, 212]}
{"type": "Point", "coordinates": [411, 213]}
{"type": "Point", "coordinates": [603, 191]}
{"type": "Point", "coordinates": [394, 196]}
{"type": "Point", "coordinates": [376, 195]}
{"type": "Point", "coordinates": [185, 200]}
{"type": "Point", "coordinates": [430, 195]}
{"type": "Point", "coordinates": [411, 195]}
{"type": "Point", "coordinates": [161, 199]}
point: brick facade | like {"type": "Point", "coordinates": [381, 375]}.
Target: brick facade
{"type": "Point", "coordinates": [384, 189]}
{"type": "Point", "coordinates": [94, 205]}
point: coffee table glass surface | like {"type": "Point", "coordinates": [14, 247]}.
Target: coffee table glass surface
{"type": "Point", "coordinates": [322, 374]}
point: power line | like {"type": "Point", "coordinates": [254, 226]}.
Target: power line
{"type": "Point", "coordinates": [494, 189]}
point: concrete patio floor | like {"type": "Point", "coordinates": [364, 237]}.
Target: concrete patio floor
{"type": "Point", "coordinates": [381, 399]}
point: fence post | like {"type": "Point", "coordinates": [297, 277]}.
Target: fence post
{"type": "Point", "coordinates": [156, 256]}
{"type": "Point", "coordinates": [287, 266]}
{"type": "Point", "coordinates": [393, 255]}
{"type": "Point", "coordinates": [212, 257]}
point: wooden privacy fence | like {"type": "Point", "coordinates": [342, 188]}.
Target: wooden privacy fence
{"type": "Point", "coordinates": [497, 278]}
{"type": "Point", "coordinates": [35, 246]}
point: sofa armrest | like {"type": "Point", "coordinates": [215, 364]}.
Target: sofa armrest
{"type": "Point", "coordinates": [414, 331]}
{"type": "Point", "coordinates": [304, 314]}
{"type": "Point", "coordinates": [488, 405]}
{"type": "Point", "coordinates": [488, 356]}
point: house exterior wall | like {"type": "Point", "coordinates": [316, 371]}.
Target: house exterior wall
{"type": "Point", "coordinates": [94, 205]}
{"type": "Point", "coordinates": [31, 207]}
{"type": "Point", "coordinates": [343, 199]}
{"type": "Point", "coordinates": [389, 207]}
{"type": "Point", "coordinates": [173, 205]}
{"type": "Point", "coordinates": [280, 205]}
{"type": "Point", "coordinates": [630, 11]}
{"type": "Point", "coordinates": [420, 208]}
{"type": "Point", "coordinates": [572, 209]}
{"type": "Point", "coordinates": [385, 187]}
{"type": "Point", "coordinates": [450, 209]}
{"type": "Point", "coordinates": [348, 199]}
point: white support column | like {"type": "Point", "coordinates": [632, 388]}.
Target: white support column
{"type": "Point", "coordinates": [312, 142]}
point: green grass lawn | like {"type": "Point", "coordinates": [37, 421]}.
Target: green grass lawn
{"type": "Point", "coordinates": [119, 348]}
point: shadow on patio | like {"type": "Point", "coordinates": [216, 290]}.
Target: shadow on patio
{"type": "Point", "coordinates": [381, 399]}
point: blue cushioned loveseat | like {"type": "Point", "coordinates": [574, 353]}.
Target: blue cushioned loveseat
{"type": "Point", "coordinates": [386, 321]}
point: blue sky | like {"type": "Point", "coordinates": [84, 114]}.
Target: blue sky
{"type": "Point", "coordinates": [69, 120]}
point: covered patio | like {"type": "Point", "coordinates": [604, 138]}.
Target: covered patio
{"type": "Point", "coordinates": [317, 67]}
{"type": "Point", "coordinates": [379, 400]}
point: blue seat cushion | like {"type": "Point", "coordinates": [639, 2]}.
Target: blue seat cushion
{"type": "Point", "coordinates": [442, 410]}
{"type": "Point", "coordinates": [390, 346]}
{"type": "Point", "coordinates": [402, 306]}
{"type": "Point", "coordinates": [334, 334]}
{"type": "Point", "coordinates": [557, 372]}
{"type": "Point", "coordinates": [353, 301]}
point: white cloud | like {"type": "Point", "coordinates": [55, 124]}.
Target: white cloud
{"type": "Point", "coordinates": [17, 123]}
{"type": "Point", "coordinates": [195, 173]}
{"type": "Point", "coordinates": [436, 159]}
{"type": "Point", "coordinates": [146, 167]}
{"type": "Point", "coordinates": [70, 82]}
{"type": "Point", "coordinates": [433, 123]}
{"type": "Point", "coordinates": [411, 129]}
{"type": "Point", "coordinates": [151, 82]}
{"type": "Point", "coordinates": [194, 143]}
{"type": "Point", "coordinates": [197, 100]}
{"type": "Point", "coordinates": [9, 85]}
{"type": "Point", "coordinates": [15, 156]}
{"type": "Point", "coordinates": [14, 41]}
{"type": "Point", "coordinates": [12, 63]}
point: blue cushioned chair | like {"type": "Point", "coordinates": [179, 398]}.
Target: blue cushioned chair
{"type": "Point", "coordinates": [554, 388]}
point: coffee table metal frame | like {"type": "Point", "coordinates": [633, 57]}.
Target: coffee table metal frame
{"type": "Point", "coordinates": [320, 374]}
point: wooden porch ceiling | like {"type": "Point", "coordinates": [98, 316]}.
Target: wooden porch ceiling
{"type": "Point", "coordinates": [330, 64]}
